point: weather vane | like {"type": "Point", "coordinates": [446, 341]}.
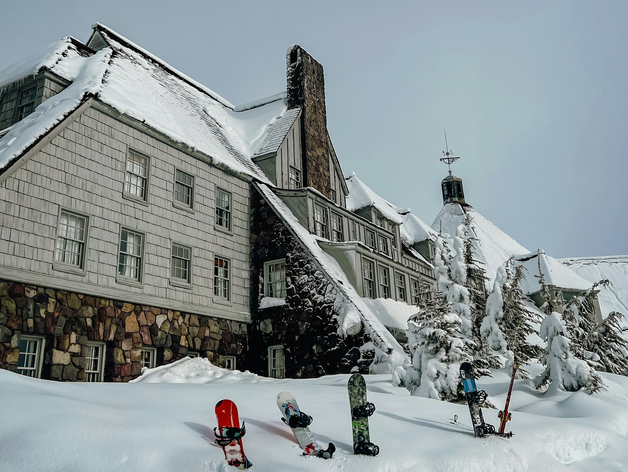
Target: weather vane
{"type": "Point", "coordinates": [449, 158]}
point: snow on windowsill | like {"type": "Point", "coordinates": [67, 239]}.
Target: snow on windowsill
{"type": "Point", "coordinates": [269, 302]}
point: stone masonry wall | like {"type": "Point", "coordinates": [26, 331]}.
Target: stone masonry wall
{"type": "Point", "coordinates": [69, 320]}
{"type": "Point", "coordinates": [306, 325]}
{"type": "Point", "coordinates": [306, 88]}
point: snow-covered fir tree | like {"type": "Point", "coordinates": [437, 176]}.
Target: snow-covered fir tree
{"type": "Point", "coordinates": [438, 348]}
{"type": "Point", "coordinates": [562, 368]}
{"type": "Point", "coordinates": [599, 343]}
{"type": "Point", "coordinates": [508, 321]}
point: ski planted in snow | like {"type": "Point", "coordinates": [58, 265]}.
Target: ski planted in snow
{"type": "Point", "coordinates": [229, 434]}
{"type": "Point", "coordinates": [361, 409]}
{"type": "Point", "coordinates": [504, 415]}
{"type": "Point", "coordinates": [475, 399]}
{"type": "Point", "coordinates": [298, 422]}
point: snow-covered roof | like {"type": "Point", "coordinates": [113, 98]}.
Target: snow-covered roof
{"type": "Point", "coordinates": [353, 309]}
{"type": "Point", "coordinates": [413, 229]}
{"type": "Point", "coordinates": [277, 132]}
{"type": "Point", "coordinates": [554, 272]}
{"type": "Point", "coordinates": [491, 246]}
{"type": "Point", "coordinates": [612, 268]}
{"type": "Point", "coordinates": [141, 86]}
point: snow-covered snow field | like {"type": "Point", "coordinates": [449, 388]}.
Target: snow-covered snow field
{"type": "Point", "coordinates": [164, 422]}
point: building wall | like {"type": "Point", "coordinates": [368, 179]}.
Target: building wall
{"type": "Point", "coordinates": [83, 170]}
{"type": "Point", "coordinates": [306, 325]}
{"type": "Point", "coordinates": [68, 320]}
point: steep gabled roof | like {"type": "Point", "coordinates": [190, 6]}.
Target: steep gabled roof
{"type": "Point", "coordinates": [137, 84]}
{"type": "Point", "coordinates": [351, 306]}
{"type": "Point", "coordinates": [277, 132]}
{"type": "Point", "coordinates": [556, 274]}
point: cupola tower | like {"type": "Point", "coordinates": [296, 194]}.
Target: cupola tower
{"type": "Point", "coordinates": [451, 185]}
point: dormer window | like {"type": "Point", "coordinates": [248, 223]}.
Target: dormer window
{"type": "Point", "coordinates": [26, 104]}
{"type": "Point", "coordinates": [295, 178]}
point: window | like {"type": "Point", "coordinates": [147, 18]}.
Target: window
{"type": "Point", "coordinates": [400, 282]}
{"type": "Point", "coordinates": [181, 263]}
{"type": "Point", "coordinates": [228, 362]}
{"type": "Point", "coordinates": [384, 281]}
{"type": "Point", "coordinates": [71, 238]}
{"type": "Point", "coordinates": [192, 354]}
{"type": "Point", "coordinates": [223, 209]}
{"type": "Point", "coordinates": [31, 355]}
{"type": "Point", "coordinates": [275, 279]}
{"type": "Point", "coordinates": [353, 231]}
{"type": "Point", "coordinates": [384, 248]}
{"type": "Point", "coordinates": [221, 278]}
{"type": "Point", "coordinates": [136, 183]}
{"type": "Point", "coordinates": [380, 221]}
{"type": "Point", "coordinates": [416, 292]}
{"type": "Point", "coordinates": [131, 253]}
{"type": "Point", "coordinates": [368, 271]}
{"type": "Point", "coordinates": [183, 188]}
{"type": "Point", "coordinates": [369, 238]}
{"type": "Point", "coordinates": [276, 362]}
{"type": "Point", "coordinates": [149, 357]}
{"type": "Point", "coordinates": [320, 221]}
{"type": "Point", "coordinates": [336, 228]}
{"type": "Point", "coordinates": [94, 362]}
{"type": "Point", "coordinates": [295, 177]}
{"type": "Point", "coordinates": [332, 194]}
{"type": "Point", "coordinates": [26, 104]}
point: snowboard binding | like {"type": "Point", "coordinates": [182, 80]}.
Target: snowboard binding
{"type": "Point", "coordinates": [326, 453]}
{"type": "Point", "coordinates": [225, 436]}
{"type": "Point", "coordinates": [298, 421]}
{"type": "Point", "coordinates": [363, 411]}
{"type": "Point", "coordinates": [365, 448]}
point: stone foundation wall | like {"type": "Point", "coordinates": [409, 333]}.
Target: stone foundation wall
{"type": "Point", "coordinates": [306, 325]}
{"type": "Point", "coordinates": [69, 320]}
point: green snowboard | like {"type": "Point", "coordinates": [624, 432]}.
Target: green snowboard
{"type": "Point", "coordinates": [361, 409]}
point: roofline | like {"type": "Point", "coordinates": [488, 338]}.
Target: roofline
{"type": "Point", "coordinates": [261, 157]}
{"type": "Point", "coordinates": [99, 27]}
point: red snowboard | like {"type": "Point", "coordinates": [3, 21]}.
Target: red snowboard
{"type": "Point", "coordinates": [229, 434]}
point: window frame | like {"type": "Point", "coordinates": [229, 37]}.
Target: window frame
{"type": "Point", "coordinates": [383, 244]}
{"type": "Point", "coordinates": [190, 190]}
{"type": "Point", "coordinates": [217, 277]}
{"type": "Point", "coordinates": [68, 266]}
{"type": "Point", "coordinates": [337, 233]}
{"type": "Point", "coordinates": [223, 216]}
{"type": "Point", "coordinates": [152, 357]}
{"type": "Point", "coordinates": [383, 289]}
{"type": "Point", "coordinates": [366, 282]}
{"type": "Point", "coordinates": [128, 182]}
{"type": "Point", "coordinates": [273, 368]}
{"type": "Point", "coordinates": [38, 355]}
{"type": "Point", "coordinates": [400, 289]}
{"type": "Point", "coordinates": [416, 291]}
{"type": "Point", "coordinates": [354, 231]}
{"type": "Point", "coordinates": [295, 179]}
{"type": "Point", "coordinates": [140, 267]}
{"type": "Point", "coordinates": [268, 284]}
{"type": "Point", "coordinates": [322, 225]}
{"type": "Point", "coordinates": [367, 234]}
{"type": "Point", "coordinates": [19, 107]}
{"type": "Point", "coordinates": [228, 362]}
{"type": "Point", "coordinates": [100, 361]}
{"type": "Point", "coordinates": [175, 280]}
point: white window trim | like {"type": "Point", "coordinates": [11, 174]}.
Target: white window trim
{"type": "Point", "coordinates": [65, 266]}
{"type": "Point", "coordinates": [298, 180]}
{"type": "Point", "coordinates": [379, 284]}
{"type": "Point", "coordinates": [229, 228]}
{"type": "Point", "coordinates": [281, 371]}
{"type": "Point", "coordinates": [334, 219]}
{"type": "Point", "coordinates": [123, 279]}
{"type": "Point", "coordinates": [323, 224]}
{"type": "Point", "coordinates": [39, 355]}
{"type": "Point", "coordinates": [373, 280]}
{"type": "Point", "coordinates": [130, 195]}
{"type": "Point", "coordinates": [178, 203]}
{"type": "Point", "coordinates": [101, 362]}
{"type": "Point", "coordinates": [266, 282]}
{"type": "Point", "coordinates": [229, 277]}
{"type": "Point", "coordinates": [152, 359]}
{"type": "Point", "coordinates": [175, 281]}
{"type": "Point", "coordinates": [405, 286]}
{"type": "Point", "coordinates": [228, 362]}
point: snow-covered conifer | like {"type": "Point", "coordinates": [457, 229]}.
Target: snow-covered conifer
{"type": "Point", "coordinates": [438, 348]}
{"type": "Point", "coordinates": [598, 343]}
{"type": "Point", "coordinates": [490, 329]}
{"type": "Point", "coordinates": [561, 367]}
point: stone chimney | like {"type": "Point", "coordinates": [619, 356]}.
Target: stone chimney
{"type": "Point", "coordinates": [306, 90]}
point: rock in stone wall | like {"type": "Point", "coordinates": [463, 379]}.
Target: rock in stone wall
{"type": "Point", "coordinates": [306, 325]}
{"type": "Point", "coordinates": [68, 321]}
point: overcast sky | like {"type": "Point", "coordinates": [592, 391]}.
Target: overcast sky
{"type": "Point", "coordinates": [534, 95]}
